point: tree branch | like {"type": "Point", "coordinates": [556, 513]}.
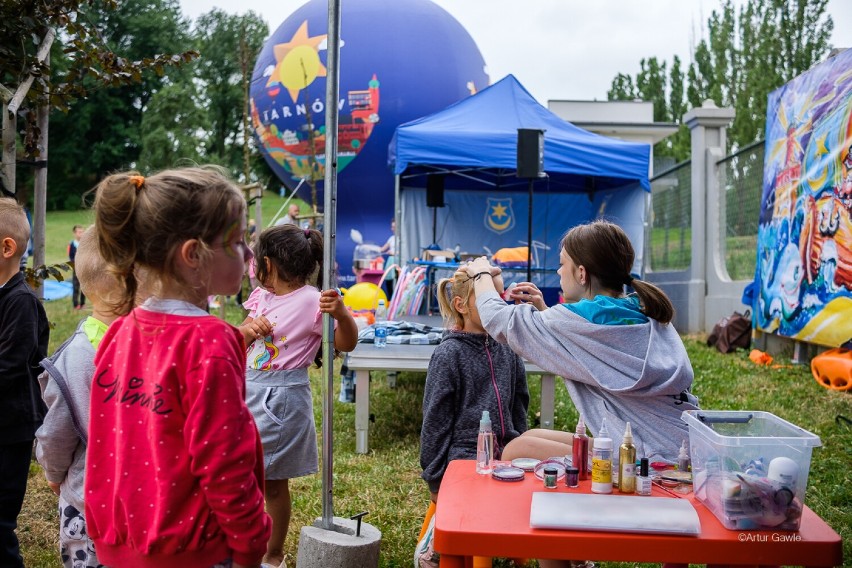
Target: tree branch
{"type": "Point", "coordinates": [5, 94]}
{"type": "Point", "coordinates": [43, 52]}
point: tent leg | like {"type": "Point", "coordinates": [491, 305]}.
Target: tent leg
{"type": "Point", "coordinates": [529, 234]}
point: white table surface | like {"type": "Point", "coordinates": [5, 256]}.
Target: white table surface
{"type": "Point", "coordinates": [367, 357]}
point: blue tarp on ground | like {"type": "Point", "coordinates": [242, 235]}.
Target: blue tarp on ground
{"type": "Point", "coordinates": [473, 143]}
{"type": "Point", "coordinates": [54, 290]}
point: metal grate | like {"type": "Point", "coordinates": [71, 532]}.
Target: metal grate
{"type": "Point", "coordinates": [742, 177]}
{"type": "Point", "coordinates": [669, 240]}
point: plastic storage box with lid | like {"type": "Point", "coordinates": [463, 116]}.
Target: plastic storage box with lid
{"type": "Point", "coordinates": [750, 468]}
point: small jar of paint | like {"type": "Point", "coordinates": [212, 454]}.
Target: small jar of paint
{"type": "Point", "coordinates": [550, 474]}
{"type": "Point", "coordinates": [572, 477]}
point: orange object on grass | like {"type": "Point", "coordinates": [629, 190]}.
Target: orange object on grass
{"type": "Point", "coordinates": [760, 357]}
{"type": "Point", "coordinates": [833, 369]}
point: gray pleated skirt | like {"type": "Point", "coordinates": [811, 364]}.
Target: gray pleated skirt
{"type": "Point", "coordinates": [281, 404]}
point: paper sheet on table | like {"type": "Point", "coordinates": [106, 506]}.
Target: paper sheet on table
{"type": "Point", "coordinates": [616, 513]}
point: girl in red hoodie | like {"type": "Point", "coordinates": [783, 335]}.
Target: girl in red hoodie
{"type": "Point", "coordinates": [174, 465]}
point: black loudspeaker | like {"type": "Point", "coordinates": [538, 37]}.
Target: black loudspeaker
{"type": "Point", "coordinates": [530, 153]}
{"type": "Point", "coordinates": [435, 190]}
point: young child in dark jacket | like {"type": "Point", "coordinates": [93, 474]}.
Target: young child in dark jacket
{"type": "Point", "coordinates": [24, 335]}
{"type": "Point", "coordinates": [469, 372]}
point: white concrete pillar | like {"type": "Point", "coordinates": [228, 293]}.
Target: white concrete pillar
{"type": "Point", "coordinates": [707, 127]}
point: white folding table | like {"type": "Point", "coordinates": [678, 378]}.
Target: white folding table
{"type": "Point", "coordinates": [366, 357]}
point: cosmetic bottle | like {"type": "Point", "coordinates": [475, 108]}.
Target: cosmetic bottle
{"type": "Point", "coordinates": [627, 463]}
{"type": "Point", "coordinates": [602, 465]}
{"type": "Point", "coordinates": [683, 458]}
{"type": "Point", "coordinates": [580, 449]}
{"type": "Point", "coordinates": [604, 433]}
{"type": "Point", "coordinates": [485, 446]}
{"type": "Point", "coordinates": [643, 481]}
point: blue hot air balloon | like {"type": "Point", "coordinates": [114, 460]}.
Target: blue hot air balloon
{"type": "Point", "coordinates": [399, 60]}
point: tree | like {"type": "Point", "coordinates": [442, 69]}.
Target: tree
{"type": "Point", "coordinates": [651, 86]}
{"type": "Point", "coordinates": [218, 38]}
{"type": "Point", "coordinates": [103, 132]}
{"type": "Point", "coordinates": [89, 64]}
{"type": "Point", "coordinates": [678, 144]}
{"type": "Point", "coordinates": [212, 101]}
{"type": "Point", "coordinates": [622, 88]}
{"type": "Point", "coordinates": [170, 127]}
{"type": "Point", "coordinates": [746, 54]}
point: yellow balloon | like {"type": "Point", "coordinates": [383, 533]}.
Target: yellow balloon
{"type": "Point", "coordinates": [363, 296]}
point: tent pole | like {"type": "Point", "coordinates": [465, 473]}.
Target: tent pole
{"type": "Point", "coordinates": [397, 217]}
{"type": "Point", "coordinates": [329, 277]}
{"type": "Point", "coordinates": [529, 234]}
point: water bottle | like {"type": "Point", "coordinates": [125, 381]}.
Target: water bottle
{"type": "Point", "coordinates": [485, 446]}
{"type": "Point", "coordinates": [381, 326]}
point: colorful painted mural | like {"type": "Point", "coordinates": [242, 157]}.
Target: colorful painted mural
{"type": "Point", "coordinates": [804, 265]}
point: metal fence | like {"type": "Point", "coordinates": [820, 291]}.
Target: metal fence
{"type": "Point", "coordinates": [742, 177]}
{"type": "Point", "coordinates": [669, 239]}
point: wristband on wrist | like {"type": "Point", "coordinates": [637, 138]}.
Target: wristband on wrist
{"type": "Point", "coordinates": [478, 274]}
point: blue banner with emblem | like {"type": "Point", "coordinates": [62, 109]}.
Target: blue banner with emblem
{"type": "Point", "coordinates": [499, 216]}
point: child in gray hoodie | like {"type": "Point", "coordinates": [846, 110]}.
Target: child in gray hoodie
{"type": "Point", "coordinates": [65, 384]}
{"type": "Point", "coordinates": [469, 372]}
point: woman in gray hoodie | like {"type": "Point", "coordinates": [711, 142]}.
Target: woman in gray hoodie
{"type": "Point", "coordinates": [619, 355]}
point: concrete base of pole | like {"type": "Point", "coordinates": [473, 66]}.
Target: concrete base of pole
{"type": "Point", "coordinates": [339, 547]}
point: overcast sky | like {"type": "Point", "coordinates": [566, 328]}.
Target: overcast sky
{"type": "Point", "coordinates": [562, 49]}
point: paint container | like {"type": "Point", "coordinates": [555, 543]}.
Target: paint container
{"type": "Point", "coordinates": [550, 474]}
{"type": "Point", "coordinates": [572, 477]}
{"type": "Point", "coordinates": [507, 473]}
{"type": "Point", "coordinates": [526, 464]}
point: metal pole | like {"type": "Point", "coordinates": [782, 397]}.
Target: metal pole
{"type": "Point", "coordinates": [397, 216]}
{"type": "Point", "coordinates": [529, 234]}
{"type": "Point", "coordinates": [332, 93]}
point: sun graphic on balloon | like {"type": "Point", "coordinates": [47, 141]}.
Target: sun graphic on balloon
{"type": "Point", "coordinates": [298, 62]}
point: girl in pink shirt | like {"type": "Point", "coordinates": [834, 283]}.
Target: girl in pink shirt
{"type": "Point", "coordinates": [283, 332]}
{"type": "Point", "coordinates": [174, 471]}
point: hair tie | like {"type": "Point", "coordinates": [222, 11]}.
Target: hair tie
{"type": "Point", "coordinates": [628, 280]}
{"type": "Point", "coordinates": [307, 233]}
{"type": "Point", "coordinates": [137, 181]}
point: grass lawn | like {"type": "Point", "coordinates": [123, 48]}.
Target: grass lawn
{"type": "Point", "coordinates": [386, 481]}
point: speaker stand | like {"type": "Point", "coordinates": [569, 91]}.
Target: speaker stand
{"type": "Point", "coordinates": [529, 234]}
{"type": "Point", "coordinates": [435, 227]}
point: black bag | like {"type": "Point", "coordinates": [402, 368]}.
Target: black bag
{"type": "Point", "coordinates": [732, 332]}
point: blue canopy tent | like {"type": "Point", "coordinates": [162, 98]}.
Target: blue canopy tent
{"type": "Point", "coordinates": [472, 146]}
